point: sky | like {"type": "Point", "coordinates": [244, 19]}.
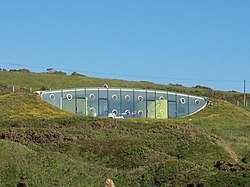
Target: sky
{"type": "Point", "coordinates": [189, 42]}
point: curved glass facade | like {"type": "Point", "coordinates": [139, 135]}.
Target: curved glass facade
{"type": "Point", "coordinates": [124, 103]}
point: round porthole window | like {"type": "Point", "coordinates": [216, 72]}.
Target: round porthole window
{"type": "Point", "coordinates": [114, 112]}
{"type": "Point", "coordinates": [197, 101]}
{"type": "Point", "coordinates": [69, 97]}
{"type": "Point", "coordinates": [182, 100]}
{"type": "Point", "coordinates": [140, 98]}
{"type": "Point", "coordinates": [92, 109]}
{"type": "Point", "coordinates": [114, 97]}
{"type": "Point", "coordinates": [127, 97]}
{"type": "Point", "coordinates": [161, 98]}
{"type": "Point", "coordinates": [92, 96]}
{"type": "Point", "coordinates": [127, 112]}
{"type": "Point", "coordinates": [52, 97]}
{"type": "Point", "coordinates": [140, 113]}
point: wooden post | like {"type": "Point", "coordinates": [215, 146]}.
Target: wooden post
{"type": "Point", "coordinates": [244, 96]}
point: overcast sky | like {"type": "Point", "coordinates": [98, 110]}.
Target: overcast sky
{"type": "Point", "coordinates": [189, 42]}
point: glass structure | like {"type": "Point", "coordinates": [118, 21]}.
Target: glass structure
{"type": "Point", "coordinates": [124, 103]}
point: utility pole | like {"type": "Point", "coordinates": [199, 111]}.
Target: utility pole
{"type": "Point", "coordinates": [244, 96]}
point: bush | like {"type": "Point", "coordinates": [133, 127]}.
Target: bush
{"type": "Point", "coordinates": [175, 84]}
{"type": "Point", "coordinates": [44, 87]}
{"type": "Point", "coordinates": [246, 158]}
{"type": "Point", "coordinates": [77, 74]}
{"type": "Point", "coordinates": [24, 70]}
{"type": "Point", "coordinates": [59, 73]}
{"type": "Point", "coordinates": [12, 70]}
{"type": "Point", "coordinates": [202, 87]}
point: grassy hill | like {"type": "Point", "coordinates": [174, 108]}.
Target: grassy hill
{"type": "Point", "coordinates": [27, 106]}
{"type": "Point", "coordinates": [24, 81]}
{"type": "Point", "coordinates": [44, 146]}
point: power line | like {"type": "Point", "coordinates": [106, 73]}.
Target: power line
{"type": "Point", "coordinates": [124, 75]}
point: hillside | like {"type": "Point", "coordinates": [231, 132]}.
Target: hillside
{"type": "Point", "coordinates": [27, 106]}
{"type": "Point", "coordinates": [44, 146]}
{"type": "Point", "coordinates": [24, 81]}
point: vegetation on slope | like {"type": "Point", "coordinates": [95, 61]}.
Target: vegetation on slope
{"type": "Point", "coordinates": [229, 122]}
{"type": "Point", "coordinates": [84, 151]}
{"type": "Point", "coordinates": [23, 106]}
{"type": "Point", "coordinates": [44, 146]}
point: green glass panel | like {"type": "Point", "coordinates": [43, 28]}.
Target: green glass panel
{"type": "Point", "coordinates": [151, 109]}
{"type": "Point", "coordinates": [161, 109]}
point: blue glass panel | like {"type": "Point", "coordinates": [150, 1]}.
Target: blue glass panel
{"type": "Point", "coordinates": [161, 95]}
{"type": "Point", "coordinates": [92, 102]}
{"type": "Point", "coordinates": [171, 96]}
{"type": "Point", "coordinates": [151, 104]}
{"type": "Point", "coordinates": [127, 103]}
{"type": "Point", "coordinates": [151, 95]}
{"type": "Point", "coordinates": [140, 104]}
{"type": "Point", "coordinates": [114, 98]}
{"type": "Point", "coordinates": [103, 93]}
{"type": "Point", "coordinates": [172, 113]}
{"type": "Point", "coordinates": [196, 103]}
{"type": "Point", "coordinates": [182, 105]}
{"type": "Point", "coordinates": [103, 107]}
{"type": "Point", "coordinates": [80, 101]}
{"type": "Point", "coordinates": [68, 101]}
{"type": "Point", "coordinates": [54, 98]}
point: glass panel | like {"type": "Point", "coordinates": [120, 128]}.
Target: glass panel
{"type": "Point", "coordinates": [140, 104]}
{"type": "Point", "coordinates": [151, 109]}
{"type": "Point", "coordinates": [80, 101]}
{"type": "Point", "coordinates": [127, 103]}
{"type": "Point", "coordinates": [103, 93]}
{"type": "Point", "coordinates": [151, 95]}
{"type": "Point", "coordinates": [161, 95]}
{"type": "Point", "coordinates": [103, 107]}
{"type": "Point", "coordinates": [172, 113]}
{"type": "Point", "coordinates": [68, 101]}
{"type": "Point", "coordinates": [115, 102]}
{"type": "Point", "coordinates": [92, 102]}
{"type": "Point", "coordinates": [161, 109]}
{"type": "Point", "coordinates": [182, 105]}
{"type": "Point", "coordinates": [81, 106]}
{"type": "Point", "coordinates": [161, 105]}
{"type": "Point", "coordinates": [171, 96]}
{"type": "Point", "coordinates": [53, 98]}
{"type": "Point", "coordinates": [196, 103]}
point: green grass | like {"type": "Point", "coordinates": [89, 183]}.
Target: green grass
{"type": "Point", "coordinates": [50, 147]}
{"type": "Point", "coordinates": [229, 122]}
{"type": "Point", "coordinates": [87, 152]}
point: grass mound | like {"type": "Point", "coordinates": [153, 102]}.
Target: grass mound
{"type": "Point", "coordinates": [23, 106]}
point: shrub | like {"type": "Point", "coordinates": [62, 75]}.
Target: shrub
{"type": "Point", "coordinates": [77, 74]}
{"type": "Point", "coordinates": [24, 70]}
{"type": "Point", "coordinates": [44, 87]}
{"type": "Point", "coordinates": [246, 158]}
{"type": "Point", "coordinates": [59, 73]}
